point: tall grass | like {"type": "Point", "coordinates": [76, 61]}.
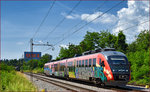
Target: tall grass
{"type": "Point", "coordinates": [12, 81]}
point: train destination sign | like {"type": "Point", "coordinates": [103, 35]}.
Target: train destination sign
{"type": "Point", "coordinates": [29, 55]}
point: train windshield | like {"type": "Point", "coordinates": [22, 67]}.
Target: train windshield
{"type": "Point", "coordinates": [117, 60]}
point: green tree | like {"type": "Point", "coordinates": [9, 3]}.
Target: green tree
{"type": "Point", "coordinates": [64, 53]}
{"type": "Point", "coordinates": [90, 41]}
{"type": "Point", "coordinates": [121, 44]}
{"type": "Point", "coordinates": [46, 58]}
{"type": "Point", "coordinates": [138, 55]}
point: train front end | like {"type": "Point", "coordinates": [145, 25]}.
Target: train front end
{"type": "Point", "coordinates": [119, 68]}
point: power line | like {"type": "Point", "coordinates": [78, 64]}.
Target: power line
{"type": "Point", "coordinates": [89, 16]}
{"type": "Point", "coordinates": [123, 29]}
{"type": "Point", "coordinates": [91, 21]}
{"type": "Point", "coordinates": [127, 22]}
{"type": "Point", "coordinates": [136, 25]}
{"type": "Point", "coordinates": [61, 21]}
{"type": "Point", "coordinates": [44, 19]}
{"type": "Point", "coordinates": [88, 23]}
{"type": "Point", "coordinates": [85, 18]}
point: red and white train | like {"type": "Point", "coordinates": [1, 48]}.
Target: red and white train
{"type": "Point", "coordinates": [105, 67]}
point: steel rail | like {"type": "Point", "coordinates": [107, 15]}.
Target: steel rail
{"type": "Point", "coordinates": [72, 87]}
{"type": "Point", "coordinates": [62, 84]}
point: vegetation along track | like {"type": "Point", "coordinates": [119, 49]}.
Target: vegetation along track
{"type": "Point", "coordinates": [78, 85]}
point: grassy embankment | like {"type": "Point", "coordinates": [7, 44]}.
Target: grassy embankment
{"type": "Point", "coordinates": [14, 81]}
{"type": "Point", "coordinates": [36, 70]}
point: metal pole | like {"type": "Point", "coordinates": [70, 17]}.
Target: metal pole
{"type": "Point", "coordinates": [31, 45]}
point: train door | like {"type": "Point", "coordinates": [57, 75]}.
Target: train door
{"type": "Point", "coordinates": [50, 69]}
{"type": "Point", "coordinates": [99, 71]}
{"type": "Point", "coordinates": [66, 70]}
{"type": "Point", "coordinates": [53, 69]}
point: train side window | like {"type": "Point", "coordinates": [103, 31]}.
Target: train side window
{"type": "Point", "coordinates": [64, 65]}
{"type": "Point", "coordinates": [82, 63]}
{"type": "Point", "coordinates": [100, 61]}
{"type": "Point", "coordinates": [71, 66]}
{"type": "Point", "coordinates": [79, 63]}
{"type": "Point", "coordinates": [60, 66]}
{"type": "Point", "coordinates": [94, 62]}
{"type": "Point", "coordinates": [90, 62]}
{"type": "Point", "coordinates": [86, 63]}
{"type": "Point", "coordinates": [55, 66]}
{"type": "Point", "coordinates": [75, 64]}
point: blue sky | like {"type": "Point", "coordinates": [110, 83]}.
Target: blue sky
{"type": "Point", "coordinates": [20, 20]}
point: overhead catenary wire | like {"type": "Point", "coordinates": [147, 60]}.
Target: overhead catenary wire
{"type": "Point", "coordinates": [85, 18]}
{"type": "Point", "coordinates": [89, 16]}
{"type": "Point", "coordinates": [61, 21]}
{"type": "Point", "coordinates": [127, 22]}
{"type": "Point", "coordinates": [122, 29]}
{"type": "Point", "coordinates": [38, 29]}
{"type": "Point", "coordinates": [89, 22]}
{"type": "Point", "coordinates": [136, 25]}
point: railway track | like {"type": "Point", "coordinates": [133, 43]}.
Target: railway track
{"type": "Point", "coordinates": [62, 84]}
{"type": "Point", "coordinates": [79, 85]}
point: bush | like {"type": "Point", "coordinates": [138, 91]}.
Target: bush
{"type": "Point", "coordinates": [6, 67]}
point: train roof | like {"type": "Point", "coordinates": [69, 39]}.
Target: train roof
{"type": "Point", "coordinates": [105, 53]}
{"type": "Point", "coordinates": [109, 53]}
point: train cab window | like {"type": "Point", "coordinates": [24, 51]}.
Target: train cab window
{"type": "Point", "coordinates": [90, 62]}
{"type": "Point", "coordinates": [86, 63]}
{"type": "Point", "coordinates": [94, 62]}
{"type": "Point", "coordinates": [82, 63]}
{"type": "Point", "coordinates": [118, 59]}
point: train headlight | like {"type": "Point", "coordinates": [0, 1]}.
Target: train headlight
{"type": "Point", "coordinates": [114, 70]}
{"type": "Point", "coordinates": [127, 70]}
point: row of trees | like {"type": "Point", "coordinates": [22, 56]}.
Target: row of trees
{"type": "Point", "coordinates": [21, 64]}
{"type": "Point", "coordinates": [37, 63]}
{"type": "Point", "coordinates": [93, 40]}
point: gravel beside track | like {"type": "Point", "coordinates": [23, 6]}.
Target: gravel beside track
{"type": "Point", "coordinates": [42, 85]}
{"type": "Point", "coordinates": [70, 86]}
{"type": "Point", "coordinates": [55, 84]}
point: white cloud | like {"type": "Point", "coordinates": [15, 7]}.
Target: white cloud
{"type": "Point", "coordinates": [20, 43]}
{"type": "Point", "coordinates": [40, 41]}
{"type": "Point", "coordinates": [72, 16]}
{"type": "Point", "coordinates": [63, 45]}
{"type": "Point", "coordinates": [135, 14]}
{"type": "Point", "coordinates": [105, 19]}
